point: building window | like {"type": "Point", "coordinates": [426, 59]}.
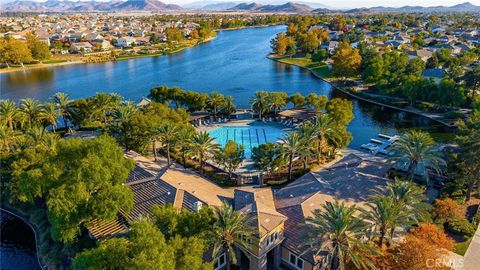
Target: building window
{"type": "Point", "coordinates": [219, 262]}
{"type": "Point", "coordinates": [295, 261]}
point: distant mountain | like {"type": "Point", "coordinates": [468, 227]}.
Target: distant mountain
{"type": "Point", "coordinates": [85, 6]}
{"type": "Point", "coordinates": [465, 7]}
{"type": "Point", "coordinates": [218, 6]}
{"type": "Point", "coordinates": [287, 7]}
{"type": "Point", "coordinates": [147, 5]}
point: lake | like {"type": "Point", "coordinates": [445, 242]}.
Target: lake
{"type": "Point", "coordinates": [233, 64]}
{"type": "Point", "coordinates": [17, 244]}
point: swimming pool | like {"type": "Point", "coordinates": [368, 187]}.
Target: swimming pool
{"type": "Point", "coordinates": [249, 136]}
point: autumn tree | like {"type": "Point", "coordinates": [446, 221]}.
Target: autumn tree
{"type": "Point", "coordinates": [174, 35]}
{"type": "Point", "coordinates": [346, 61]}
{"type": "Point", "coordinates": [433, 235]}
{"type": "Point", "coordinates": [14, 51]}
{"type": "Point", "coordinates": [38, 48]}
{"type": "Point", "coordinates": [283, 44]}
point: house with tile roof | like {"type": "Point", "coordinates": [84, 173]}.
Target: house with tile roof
{"type": "Point", "coordinates": [276, 216]}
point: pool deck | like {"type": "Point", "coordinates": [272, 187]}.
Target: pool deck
{"type": "Point", "coordinates": [246, 167]}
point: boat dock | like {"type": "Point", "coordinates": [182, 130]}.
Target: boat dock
{"type": "Point", "coordinates": [379, 146]}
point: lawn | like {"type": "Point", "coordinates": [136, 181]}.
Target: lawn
{"type": "Point", "coordinates": [318, 68]}
{"type": "Point", "coordinates": [461, 248]}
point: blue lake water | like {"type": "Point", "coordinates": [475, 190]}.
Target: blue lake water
{"type": "Point", "coordinates": [249, 136]}
{"type": "Point", "coordinates": [233, 64]}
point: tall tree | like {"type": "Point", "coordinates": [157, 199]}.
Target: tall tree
{"type": "Point", "coordinates": [260, 103]}
{"type": "Point", "coordinates": [9, 112]}
{"type": "Point", "coordinates": [167, 135]}
{"type": "Point", "coordinates": [230, 157]}
{"type": "Point", "coordinates": [290, 144]}
{"type": "Point", "coordinates": [63, 103]}
{"type": "Point", "coordinates": [31, 110]}
{"type": "Point", "coordinates": [203, 147]}
{"type": "Point", "coordinates": [336, 230]}
{"type": "Point", "coordinates": [230, 228]}
{"type": "Point", "coordinates": [346, 61]}
{"type": "Point", "coordinates": [416, 151]}
{"type": "Point", "coordinates": [49, 114]}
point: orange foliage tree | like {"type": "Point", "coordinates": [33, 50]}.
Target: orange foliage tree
{"type": "Point", "coordinates": [433, 235]}
{"type": "Point", "coordinates": [446, 210]}
{"type": "Point", "coordinates": [416, 254]}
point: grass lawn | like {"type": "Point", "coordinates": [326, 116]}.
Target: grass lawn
{"type": "Point", "coordinates": [319, 68]}
{"type": "Point", "coordinates": [461, 248]}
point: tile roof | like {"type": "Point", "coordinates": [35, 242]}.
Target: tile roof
{"type": "Point", "coordinates": [350, 180]}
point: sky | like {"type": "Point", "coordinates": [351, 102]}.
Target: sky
{"type": "Point", "coordinates": [337, 3]}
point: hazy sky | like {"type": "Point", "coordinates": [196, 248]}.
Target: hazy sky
{"type": "Point", "coordinates": [337, 3]}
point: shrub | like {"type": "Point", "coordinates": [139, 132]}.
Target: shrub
{"type": "Point", "coordinates": [446, 210]}
{"type": "Point", "coordinates": [461, 226]}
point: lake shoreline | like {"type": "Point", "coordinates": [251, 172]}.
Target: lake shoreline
{"type": "Point", "coordinates": [67, 63]}
{"type": "Point", "coordinates": [25, 219]}
{"type": "Point", "coordinates": [346, 92]}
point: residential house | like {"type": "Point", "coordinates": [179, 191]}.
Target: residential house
{"type": "Point", "coordinates": [125, 41]}
{"type": "Point", "coordinates": [81, 47]}
{"type": "Point", "coordinates": [422, 54]}
{"type": "Point", "coordinates": [437, 74]}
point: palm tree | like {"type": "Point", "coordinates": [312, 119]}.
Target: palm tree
{"type": "Point", "coordinates": [184, 142]}
{"type": "Point", "coordinates": [39, 136]}
{"type": "Point", "coordinates": [8, 112]}
{"type": "Point", "coordinates": [260, 103]}
{"type": "Point", "coordinates": [416, 150]}
{"type": "Point", "coordinates": [338, 231]}
{"type": "Point", "coordinates": [326, 132]}
{"type": "Point", "coordinates": [63, 103]}
{"type": "Point", "coordinates": [289, 146]}
{"type": "Point", "coordinates": [384, 216]}
{"type": "Point", "coordinates": [31, 110]}
{"type": "Point", "coordinates": [216, 101]}
{"type": "Point", "coordinates": [124, 112]}
{"type": "Point", "coordinates": [277, 101]}
{"type": "Point", "coordinates": [50, 114]}
{"type": "Point", "coordinates": [229, 106]}
{"type": "Point", "coordinates": [230, 228]}
{"type": "Point", "coordinates": [410, 198]}
{"type": "Point", "coordinates": [167, 135]}
{"type": "Point", "coordinates": [103, 104]}
{"type": "Point", "coordinates": [8, 139]}
{"type": "Point", "coordinates": [308, 135]}
{"type": "Point", "coordinates": [203, 146]}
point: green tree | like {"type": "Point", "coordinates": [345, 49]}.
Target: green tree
{"type": "Point", "coordinates": [337, 230]}
{"type": "Point", "coordinates": [230, 157]}
{"type": "Point", "coordinates": [265, 157]}
{"type": "Point", "coordinates": [340, 111]}
{"type": "Point", "coordinates": [80, 181]}
{"type": "Point", "coordinates": [297, 99]}
{"type": "Point", "coordinates": [290, 145]}
{"type": "Point", "coordinates": [31, 111]}
{"type": "Point", "coordinates": [416, 152]}
{"type": "Point", "coordinates": [215, 102]}
{"type": "Point", "coordinates": [174, 222]}
{"type": "Point", "coordinates": [260, 103]}
{"type": "Point", "coordinates": [38, 49]}
{"type": "Point", "coordinates": [63, 103]}
{"type": "Point", "coordinates": [277, 101]}
{"type": "Point", "coordinates": [415, 67]}
{"type": "Point", "coordinates": [317, 102]}
{"type": "Point", "coordinates": [384, 215]}
{"type": "Point", "coordinates": [9, 113]}
{"type": "Point", "coordinates": [167, 136]}
{"type": "Point", "coordinates": [203, 147]}
{"type": "Point", "coordinates": [325, 132]}
{"type": "Point", "coordinates": [49, 114]}
{"type": "Point", "coordinates": [145, 248]}
{"type": "Point", "coordinates": [230, 229]}
{"type": "Point", "coordinates": [450, 93]}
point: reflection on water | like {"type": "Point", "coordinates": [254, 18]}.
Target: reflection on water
{"type": "Point", "coordinates": [233, 64]}
{"type": "Point", "coordinates": [17, 244]}
{"type": "Point", "coordinates": [30, 77]}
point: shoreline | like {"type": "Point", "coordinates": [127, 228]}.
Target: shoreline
{"type": "Point", "coordinates": [38, 66]}
{"type": "Point", "coordinates": [21, 216]}
{"type": "Point", "coordinates": [348, 93]}
{"type": "Point", "coordinates": [67, 63]}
